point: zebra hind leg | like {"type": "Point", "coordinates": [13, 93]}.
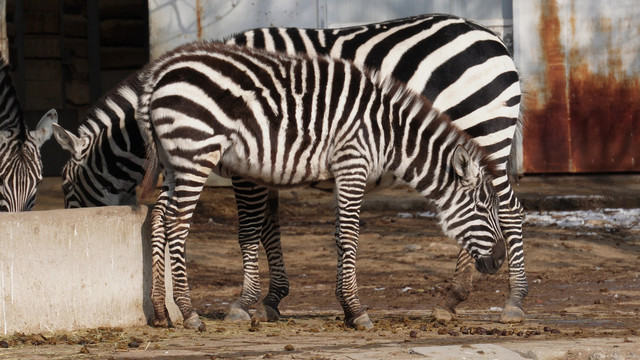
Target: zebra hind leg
{"type": "Point", "coordinates": [278, 281]}
{"type": "Point", "coordinates": [177, 223]}
{"type": "Point", "coordinates": [158, 245]}
{"type": "Point", "coordinates": [459, 290]}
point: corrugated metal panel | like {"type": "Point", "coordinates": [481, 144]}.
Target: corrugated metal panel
{"type": "Point", "coordinates": [175, 22]}
{"type": "Point", "coordinates": [580, 60]}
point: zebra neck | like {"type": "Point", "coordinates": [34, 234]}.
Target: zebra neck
{"type": "Point", "coordinates": [11, 118]}
{"type": "Point", "coordinates": [426, 143]}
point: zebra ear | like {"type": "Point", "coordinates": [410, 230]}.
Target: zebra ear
{"type": "Point", "coordinates": [67, 140]}
{"type": "Point", "coordinates": [465, 167]}
{"type": "Point", "coordinates": [43, 131]}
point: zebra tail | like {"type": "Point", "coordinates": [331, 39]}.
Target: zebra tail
{"type": "Point", "coordinates": [525, 98]}
{"type": "Point", "coordinates": [143, 118]}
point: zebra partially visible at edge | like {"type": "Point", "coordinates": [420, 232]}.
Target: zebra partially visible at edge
{"type": "Point", "coordinates": [20, 159]}
{"type": "Point", "coordinates": [289, 121]}
{"type": "Point", "coordinates": [462, 67]}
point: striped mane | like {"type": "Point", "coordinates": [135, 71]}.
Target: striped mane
{"type": "Point", "coordinates": [96, 116]}
{"type": "Point", "coordinates": [413, 101]}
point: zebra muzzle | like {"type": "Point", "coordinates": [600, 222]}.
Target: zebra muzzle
{"type": "Point", "coordinates": [491, 264]}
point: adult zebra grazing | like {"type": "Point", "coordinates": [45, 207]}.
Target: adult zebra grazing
{"type": "Point", "coordinates": [20, 160]}
{"type": "Point", "coordinates": [462, 67]}
{"type": "Point", "coordinates": [289, 121]}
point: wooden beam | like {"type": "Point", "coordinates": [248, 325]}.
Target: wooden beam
{"type": "Point", "coordinates": [93, 37]}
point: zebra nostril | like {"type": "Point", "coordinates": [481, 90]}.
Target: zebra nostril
{"type": "Point", "coordinates": [498, 251]}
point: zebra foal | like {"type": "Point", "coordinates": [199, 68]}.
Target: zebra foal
{"type": "Point", "coordinates": [286, 121]}
{"type": "Point", "coordinates": [20, 159]}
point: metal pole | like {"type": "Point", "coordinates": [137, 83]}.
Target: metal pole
{"type": "Point", "coordinates": [4, 40]}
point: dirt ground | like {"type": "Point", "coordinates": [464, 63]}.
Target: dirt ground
{"type": "Point", "coordinates": [583, 303]}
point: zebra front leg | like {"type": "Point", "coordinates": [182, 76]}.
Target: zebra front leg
{"type": "Point", "coordinates": [511, 224]}
{"type": "Point", "coordinates": [251, 201]}
{"type": "Point", "coordinates": [349, 192]}
{"type": "Point", "coordinates": [177, 223]}
{"type": "Point", "coordinates": [278, 281]}
{"type": "Point", "coordinates": [459, 289]}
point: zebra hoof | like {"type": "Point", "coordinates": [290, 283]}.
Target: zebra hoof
{"type": "Point", "coordinates": [512, 314]}
{"type": "Point", "coordinates": [237, 314]}
{"type": "Point", "coordinates": [362, 322]}
{"type": "Point", "coordinates": [440, 314]}
{"type": "Point", "coordinates": [194, 322]}
{"type": "Point", "coordinates": [160, 323]}
{"type": "Point", "coordinates": [267, 313]}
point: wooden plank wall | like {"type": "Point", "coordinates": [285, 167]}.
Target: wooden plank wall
{"type": "Point", "coordinates": [49, 53]}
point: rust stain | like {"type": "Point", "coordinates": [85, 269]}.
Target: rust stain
{"type": "Point", "coordinates": [604, 110]}
{"type": "Point", "coordinates": [199, 14]}
{"type": "Point", "coordinates": [547, 128]}
{"type": "Point", "coordinates": [588, 119]}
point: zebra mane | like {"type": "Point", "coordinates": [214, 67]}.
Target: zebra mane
{"type": "Point", "coordinates": [95, 119]}
{"type": "Point", "coordinates": [11, 117]}
{"type": "Point", "coordinates": [417, 103]}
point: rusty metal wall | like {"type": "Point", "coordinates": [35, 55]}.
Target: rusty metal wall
{"type": "Point", "coordinates": [580, 61]}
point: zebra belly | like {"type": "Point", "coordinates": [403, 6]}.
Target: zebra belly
{"type": "Point", "coordinates": [261, 170]}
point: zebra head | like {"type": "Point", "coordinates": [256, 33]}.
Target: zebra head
{"type": "Point", "coordinates": [470, 214]}
{"type": "Point", "coordinates": [86, 177]}
{"type": "Point", "coordinates": [21, 164]}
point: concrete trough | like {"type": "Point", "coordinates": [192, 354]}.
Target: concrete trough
{"type": "Point", "coordinates": [74, 269]}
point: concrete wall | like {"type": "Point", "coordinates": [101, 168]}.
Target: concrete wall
{"type": "Point", "coordinates": [77, 268]}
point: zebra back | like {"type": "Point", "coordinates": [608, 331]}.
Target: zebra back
{"type": "Point", "coordinates": [462, 67]}
{"type": "Point", "coordinates": [274, 104]}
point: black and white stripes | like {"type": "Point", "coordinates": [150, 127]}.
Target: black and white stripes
{"type": "Point", "coordinates": [289, 121]}
{"type": "Point", "coordinates": [107, 156]}
{"type": "Point", "coordinates": [20, 161]}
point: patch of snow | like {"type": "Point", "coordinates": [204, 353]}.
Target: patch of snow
{"type": "Point", "coordinates": [576, 197]}
{"type": "Point", "coordinates": [590, 219]}
{"type": "Point", "coordinates": [427, 214]}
